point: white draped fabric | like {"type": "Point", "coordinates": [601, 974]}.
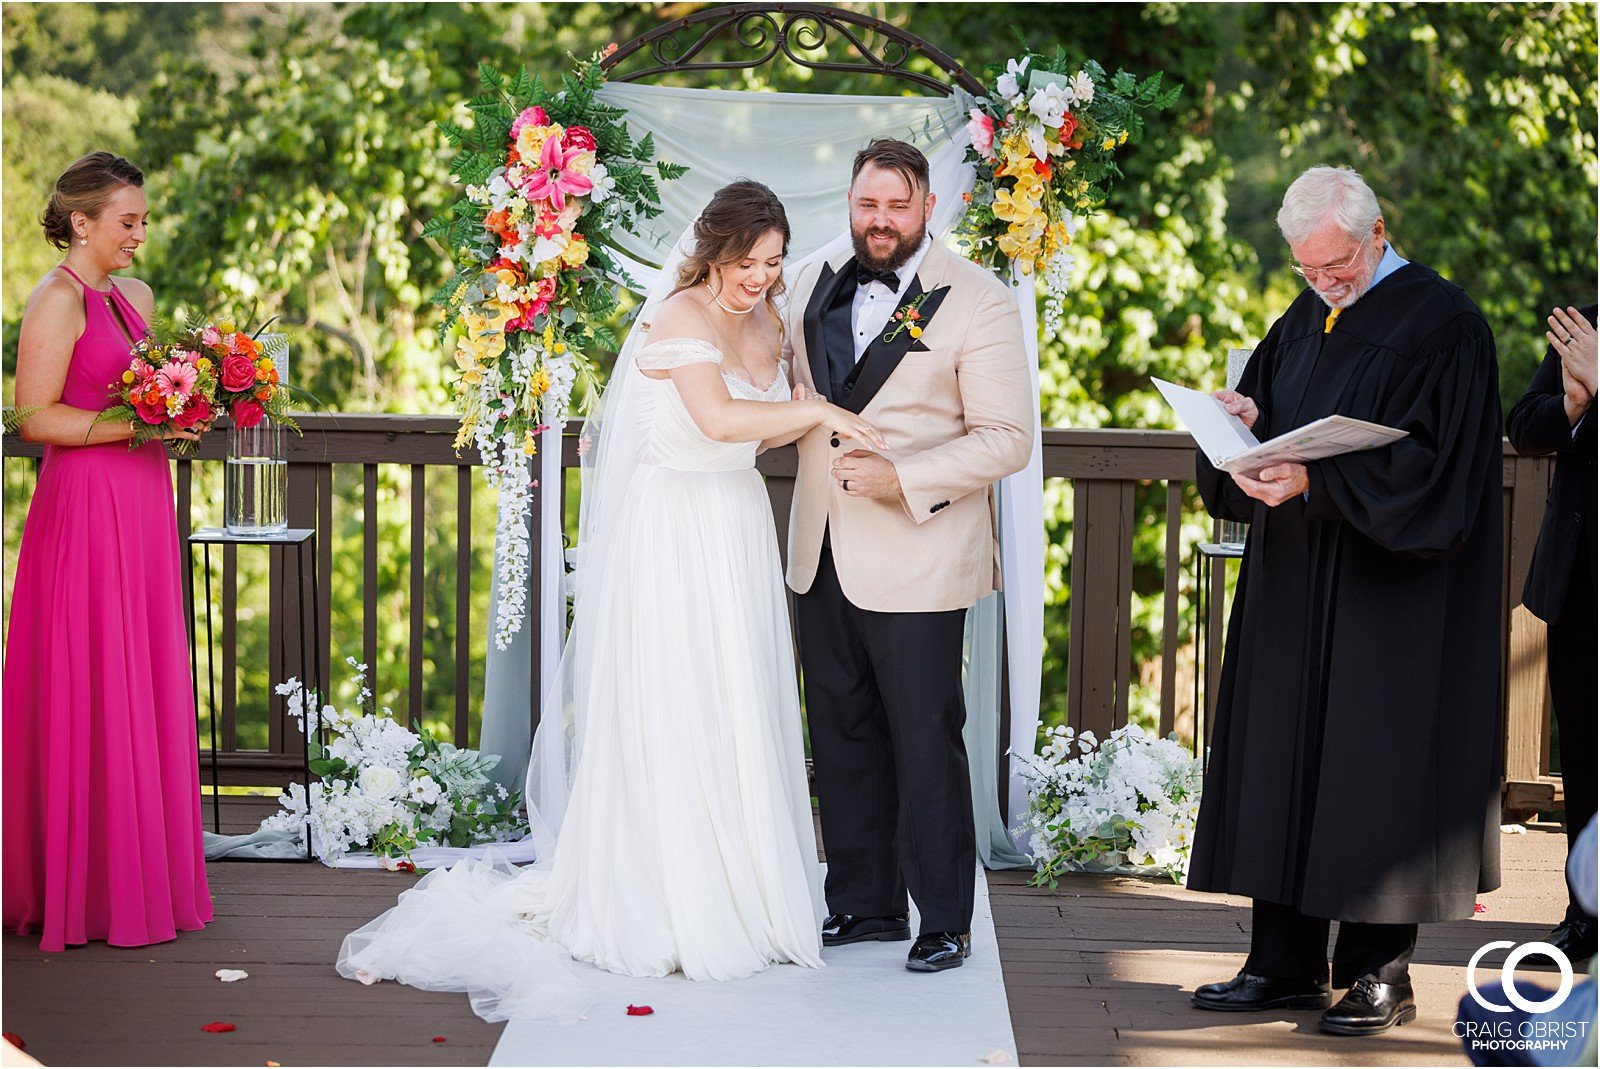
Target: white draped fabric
{"type": "Point", "coordinates": [801, 145]}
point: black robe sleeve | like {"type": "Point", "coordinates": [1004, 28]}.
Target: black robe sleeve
{"type": "Point", "coordinates": [1222, 496]}
{"type": "Point", "coordinates": [1421, 496]}
{"type": "Point", "coordinates": [1538, 423]}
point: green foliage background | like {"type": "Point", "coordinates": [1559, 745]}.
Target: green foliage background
{"type": "Point", "coordinates": [293, 161]}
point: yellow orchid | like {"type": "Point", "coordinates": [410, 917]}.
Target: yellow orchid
{"type": "Point", "coordinates": [540, 382]}
{"type": "Point", "coordinates": [1015, 205]}
{"type": "Point", "coordinates": [530, 444]}
{"type": "Point", "coordinates": [499, 313]}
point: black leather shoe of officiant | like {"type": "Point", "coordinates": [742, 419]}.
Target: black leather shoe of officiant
{"type": "Point", "coordinates": [1250, 992]}
{"type": "Point", "coordinates": [1574, 937]}
{"type": "Point", "coordinates": [841, 928]}
{"type": "Point", "coordinates": [1369, 1008]}
{"type": "Point", "coordinates": [938, 951]}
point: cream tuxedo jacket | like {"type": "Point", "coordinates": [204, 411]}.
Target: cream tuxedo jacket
{"type": "Point", "coordinates": [956, 407]}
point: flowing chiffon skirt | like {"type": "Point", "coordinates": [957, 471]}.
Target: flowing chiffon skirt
{"type": "Point", "coordinates": [688, 842]}
{"type": "Point", "coordinates": [101, 774]}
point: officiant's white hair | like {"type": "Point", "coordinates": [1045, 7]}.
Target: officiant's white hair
{"type": "Point", "coordinates": [1324, 193]}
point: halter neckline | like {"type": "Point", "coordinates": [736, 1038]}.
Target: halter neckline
{"type": "Point", "coordinates": [85, 285]}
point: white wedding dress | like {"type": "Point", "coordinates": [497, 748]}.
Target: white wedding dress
{"type": "Point", "coordinates": [687, 842]}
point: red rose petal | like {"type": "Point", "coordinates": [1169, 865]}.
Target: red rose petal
{"type": "Point", "coordinates": [1479, 907]}
{"type": "Point", "coordinates": [14, 1039]}
{"type": "Point", "coordinates": [640, 1011]}
{"type": "Point", "coordinates": [438, 1039]}
{"type": "Point", "coordinates": [217, 1026]}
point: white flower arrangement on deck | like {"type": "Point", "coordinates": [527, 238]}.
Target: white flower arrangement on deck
{"type": "Point", "coordinates": [383, 788]}
{"type": "Point", "coordinates": [1126, 805]}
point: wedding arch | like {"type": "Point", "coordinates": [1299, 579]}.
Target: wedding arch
{"type": "Point", "coordinates": [801, 145]}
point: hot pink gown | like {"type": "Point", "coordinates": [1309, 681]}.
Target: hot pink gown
{"type": "Point", "coordinates": [101, 814]}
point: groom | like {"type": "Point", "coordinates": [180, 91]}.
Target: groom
{"type": "Point", "coordinates": [888, 550]}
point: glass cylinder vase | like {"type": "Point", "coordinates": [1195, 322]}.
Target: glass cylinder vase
{"type": "Point", "coordinates": [256, 481]}
{"type": "Point", "coordinates": [1234, 533]}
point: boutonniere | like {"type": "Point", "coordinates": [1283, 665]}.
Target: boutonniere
{"type": "Point", "coordinates": [908, 318]}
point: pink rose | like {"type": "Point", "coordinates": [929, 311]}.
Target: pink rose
{"type": "Point", "coordinates": [579, 138]}
{"type": "Point", "coordinates": [198, 411]}
{"type": "Point", "coordinates": [981, 129]}
{"type": "Point", "coordinates": [529, 117]}
{"type": "Point", "coordinates": [238, 373]}
{"type": "Point", "coordinates": [152, 412]}
{"type": "Point", "coordinates": [247, 412]}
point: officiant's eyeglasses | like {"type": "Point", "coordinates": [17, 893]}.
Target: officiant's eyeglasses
{"type": "Point", "coordinates": [1311, 274]}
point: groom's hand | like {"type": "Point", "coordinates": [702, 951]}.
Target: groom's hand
{"type": "Point", "coordinates": [862, 473]}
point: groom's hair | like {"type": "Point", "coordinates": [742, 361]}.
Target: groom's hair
{"type": "Point", "coordinates": [891, 155]}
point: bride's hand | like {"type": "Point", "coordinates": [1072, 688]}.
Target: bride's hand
{"type": "Point", "coordinates": [847, 424]}
{"type": "Point", "coordinates": [802, 392]}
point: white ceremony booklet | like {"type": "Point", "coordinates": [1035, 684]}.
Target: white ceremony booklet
{"type": "Point", "coordinates": [1230, 446]}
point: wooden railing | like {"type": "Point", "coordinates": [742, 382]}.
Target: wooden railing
{"type": "Point", "coordinates": [1106, 470]}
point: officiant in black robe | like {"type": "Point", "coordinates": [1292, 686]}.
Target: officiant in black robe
{"type": "Point", "coordinates": [1354, 769]}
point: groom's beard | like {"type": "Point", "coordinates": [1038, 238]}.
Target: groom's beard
{"type": "Point", "coordinates": [905, 247]}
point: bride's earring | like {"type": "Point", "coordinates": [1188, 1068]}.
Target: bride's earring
{"type": "Point", "coordinates": [83, 241]}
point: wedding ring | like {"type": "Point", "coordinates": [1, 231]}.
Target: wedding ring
{"type": "Point", "coordinates": [847, 486]}
{"type": "Point", "coordinates": [1567, 340]}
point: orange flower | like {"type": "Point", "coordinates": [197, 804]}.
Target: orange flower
{"type": "Point", "coordinates": [966, 198]}
{"type": "Point", "coordinates": [1043, 168]}
{"type": "Point", "coordinates": [264, 394]}
{"type": "Point", "coordinates": [272, 376]}
{"type": "Point", "coordinates": [245, 345]}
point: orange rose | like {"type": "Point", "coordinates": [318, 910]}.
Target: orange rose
{"type": "Point", "coordinates": [264, 394]}
{"type": "Point", "coordinates": [245, 345]}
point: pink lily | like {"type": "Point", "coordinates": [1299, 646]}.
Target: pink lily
{"type": "Point", "coordinates": [552, 180]}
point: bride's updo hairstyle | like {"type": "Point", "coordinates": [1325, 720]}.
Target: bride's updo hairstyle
{"type": "Point", "coordinates": [729, 227]}
{"type": "Point", "coordinates": [85, 187]}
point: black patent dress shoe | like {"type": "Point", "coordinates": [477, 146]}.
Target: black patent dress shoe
{"type": "Point", "coordinates": [1248, 991]}
{"type": "Point", "coordinates": [1574, 937]}
{"type": "Point", "coordinates": [1369, 1008]}
{"type": "Point", "coordinates": [841, 928]}
{"type": "Point", "coordinates": [937, 951]}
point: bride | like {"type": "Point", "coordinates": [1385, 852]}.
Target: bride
{"type": "Point", "coordinates": [668, 770]}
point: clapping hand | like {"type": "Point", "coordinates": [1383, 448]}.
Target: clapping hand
{"type": "Point", "coordinates": [1573, 339]}
{"type": "Point", "coordinates": [1275, 483]}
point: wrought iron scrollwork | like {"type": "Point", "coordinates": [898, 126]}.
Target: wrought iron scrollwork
{"type": "Point", "coordinates": [759, 33]}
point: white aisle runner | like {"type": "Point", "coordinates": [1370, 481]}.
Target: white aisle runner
{"type": "Point", "coordinates": [864, 1008]}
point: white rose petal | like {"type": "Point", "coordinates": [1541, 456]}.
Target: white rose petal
{"type": "Point", "coordinates": [229, 976]}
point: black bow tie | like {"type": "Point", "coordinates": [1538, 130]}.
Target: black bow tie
{"type": "Point", "coordinates": [866, 275]}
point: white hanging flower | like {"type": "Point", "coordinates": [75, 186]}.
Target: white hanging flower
{"type": "Point", "coordinates": [1050, 103]}
{"type": "Point", "coordinates": [1011, 82]}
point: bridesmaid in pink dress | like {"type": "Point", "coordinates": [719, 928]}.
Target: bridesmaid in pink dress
{"type": "Point", "coordinates": [101, 807]}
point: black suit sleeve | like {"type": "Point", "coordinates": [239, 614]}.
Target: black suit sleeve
{"type": "Point", "coordinates": [1538, 423]}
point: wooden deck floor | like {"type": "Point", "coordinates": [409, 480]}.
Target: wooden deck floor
{"type": "Point", "coordinates": [1097, 972]}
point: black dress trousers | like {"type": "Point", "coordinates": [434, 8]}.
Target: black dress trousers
{"type": "Point", "coordinates": [1285, 944]}
{"type": "Point", "coordinates": [885, 710]}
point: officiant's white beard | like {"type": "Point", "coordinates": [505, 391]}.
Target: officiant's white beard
{"type": "Point", "coordinates": [1345, 294]}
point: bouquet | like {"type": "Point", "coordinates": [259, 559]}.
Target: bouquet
{"type": "Point", "coordinates": [548, 177]}
{"type": "Point", "coordinates": [385, 789]}
{"type": "Point", "coordinates": [1044, 142]}
{"type": "Point", "coordinates": [186, 375]}
{"type": "Point", "coordinates": [1127, 804]}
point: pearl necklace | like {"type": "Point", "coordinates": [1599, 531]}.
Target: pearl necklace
{"type": "Point", "coordinates": [718, 302]}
